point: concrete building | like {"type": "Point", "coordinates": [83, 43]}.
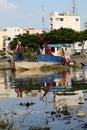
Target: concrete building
{"type": "Point", "coordinates": [85, 25]}
{"type": "Point", "coordinates": [65, 20]}
{"type": "Point", "coordinates": [80, 47]}
{"type": "Point", "coordinates": [34, 31]}
{"type": "Point", "coordinates": [2, 34]}
{"type": "Point", "coordinates": [8, 33]}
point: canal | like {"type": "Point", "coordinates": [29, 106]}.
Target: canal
{"type": "Point", "coordinates": [34, 100]}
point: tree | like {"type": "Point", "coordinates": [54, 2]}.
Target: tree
{"type": "Point", "coordinates": [82, 38]}
{"type": "Point", "coordinates": [62, 35]}
{"type": "Point", "coordinates": [31, 43]}
{"type": "Point", "coordinates": [28, 42]}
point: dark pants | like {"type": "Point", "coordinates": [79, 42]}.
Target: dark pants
{"type": "Point", "coordinates": [63, 61]}
{"type": "Point", "coordinates": [18, 56]}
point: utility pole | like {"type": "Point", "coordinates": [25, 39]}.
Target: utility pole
{"type": "Point", "coordinates": [74, 7]}
{"type": "Point", "coordinates": [43, 17]}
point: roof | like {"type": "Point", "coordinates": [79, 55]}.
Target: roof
{"type": "Point", "coordinates": [58, 45]}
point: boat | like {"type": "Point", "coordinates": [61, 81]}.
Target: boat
{"type": "Point", "coordinates": [84, 63]}
{"type": "Point", "coordinates": [48, 58]}
{"type": "Point", "coordinates": [49, 55]}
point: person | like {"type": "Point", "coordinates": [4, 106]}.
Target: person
{"type": "Point", "coordinates": [67, 61]}
{"type": "Point", "coordinates": [18, 51]}
{"type": "Point", "coordinates": [19, 91]}
{"type": "Point", "coordinates": [18, 47]}
{"type": "Point", "coordinates": [49, 84]}
{"type": "Point", "coordinates": [62, 53]}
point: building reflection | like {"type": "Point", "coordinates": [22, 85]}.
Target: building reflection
{"type": "Point", "coordinates": [3, 91]}
{"type": "Point", "coordinates": [9, 78]}
{"type": "Point", "coordinates": [7, 82]}
{"type": "Point", "coordinates": [69, 99]}
{"type": "Point", "coordinates": [80, 75]}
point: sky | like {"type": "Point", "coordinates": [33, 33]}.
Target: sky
{"type": "Point", "coordinates": [28, 13]}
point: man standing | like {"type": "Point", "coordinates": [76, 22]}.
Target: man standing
{"type": "Point", "coordinates": [18, 47]}
{"type": "Point", "coordinates": [18, 55]}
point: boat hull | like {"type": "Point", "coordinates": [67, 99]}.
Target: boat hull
{"type": "Point", "coordinates": [84, 63]}
{"type": "Point", "coordinates": [49, 58]}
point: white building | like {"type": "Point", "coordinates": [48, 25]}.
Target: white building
{"type": "Point", "coordinates": [65, 20]}
{"type": "Point", "coordinates": [80, 47]}
{"type": "Point", "coordinates": [34, 31]}
{"type": "Point", "coordinates": [8, 33]}
{"type": "Point", "coordinates": [85, 25]}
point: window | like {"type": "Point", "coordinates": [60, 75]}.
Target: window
{"type": "Point", "coordinates": [61, 19]}
{"type": "Point", "coordinates": [79, 44]}
{"type": "Point", "coordinates": [77, 19]}
{"type": "Point", "coordinates": [51, 26]}
{"type": "Point", "coordinates": [57, 48]}
{"type": "Point", "coordinates": [51, 19]}
{"type": "Point", "coordinates": [53, 49]}
{"type": "Point", "coordinates": [4, 30]}
{"type": "Point", "coordinates": [65, 48]}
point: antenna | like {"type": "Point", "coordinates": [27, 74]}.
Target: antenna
{"type": "Point", "coordinates": [74, 7]}
{"type": "Point", "coordinates": [43, 17]}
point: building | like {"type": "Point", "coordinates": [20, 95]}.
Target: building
{"type": "Point", "coordinates": [80, 47]}
{"type": "Point", "coordinates": [85, 25]}
{"type": "Point", "coordinates": [9, 33]}
{"type": "Point", "coordinates": [65, 20]}
{"type": "Point", "coordinates": [2, 34]}
{"type": "Point", "coordinates": [34, 31]}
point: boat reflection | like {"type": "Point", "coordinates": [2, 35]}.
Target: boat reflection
{"type": "Point", "coordinates": [57, 83]}
{"type": "Point", "coordinates": [24, 86]}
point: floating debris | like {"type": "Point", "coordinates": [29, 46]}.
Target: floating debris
{"type": "Point", "coordinates": [38, 128]}
{"type": "Point", "coordinates": [53, 112]}
{"type": "Point", "coordinates": [68, 122]}
{"type": "Point", "coordinates": [27, 104]}
{"type": "Point", "coordinates": [80, 114]}
{"type": "Point", "coordinates": [85, 125]}
{"type": "Point", "coordinates": [80, 102]}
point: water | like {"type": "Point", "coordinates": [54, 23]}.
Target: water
{"type": "Point", "coordinates": [34, 100]}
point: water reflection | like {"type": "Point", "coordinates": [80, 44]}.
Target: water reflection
{"type": "Point", "coordinates": [9, 78]}
{"type": "Point", "coordinates": [45, 101]}
{"type": "Point", "coordinates": [43, 84]}
{"type": "Point", "coordinates": [80, 74]}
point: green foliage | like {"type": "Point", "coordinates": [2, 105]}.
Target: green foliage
{"type": "Point", "coordinates": [3, 124]}
{"type": "Point", "coordinates": [57, 67]}
{"type": "Point", "coordinates": [31, 43]}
